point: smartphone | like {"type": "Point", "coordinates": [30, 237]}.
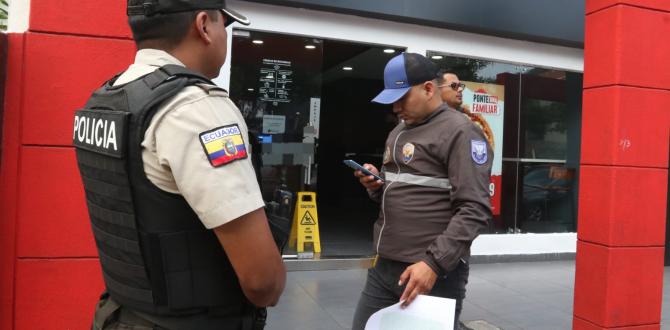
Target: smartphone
{"type": "Point", "coordinates": [359, 167]}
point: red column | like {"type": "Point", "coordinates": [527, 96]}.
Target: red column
{"type": "Point", "coordinates": [624, 165]}
{"type": "Point", "coordinates": [50, 277]}
{"type": "Point", "coordinates": [8, 179]}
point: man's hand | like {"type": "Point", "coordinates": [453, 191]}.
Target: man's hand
{"type": "Point", "coordinates": [420, 279]}
{"type": "Point", "coordinates": [369, 181]}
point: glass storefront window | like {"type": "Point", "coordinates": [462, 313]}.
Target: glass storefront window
{"type": "Point", "coordinates": [306, 102]}
{"type": "Point", "coordinates": [541, 135]}
{"type": "Point", "coordinates": [546, 204]}
{"type": "Point", "coordinates": [545, 132]}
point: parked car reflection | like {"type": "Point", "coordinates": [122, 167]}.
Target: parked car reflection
{"type": "Point", "coordinates": [547, 203]}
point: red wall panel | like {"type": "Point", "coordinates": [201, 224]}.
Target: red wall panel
{"type": "Point", "coordinates": [594, 5]}
{"type": "Point", "coordinates": [62, 71]}
{"type": "Point", "coordinates": [633, 126]}
{"type": "Point", "coordinates": [579, 324]}
{"type": "Point", "coordinates": [9, 182]}
{"type": "Point", "coordinates": [617, 52]}
{"type": "Point", "coordinates": [616, 287]}
{"type": "Point", "coordinates": [53, 219]}
{"type": "Point", "coordinates": [623, 178]}
{"type": "Point", "coordinates": [600, 42]}
{"type": "Point", "coordinates": [645, 59]}
{"type": "Point", "coordinates": [57, 294]}
{"type": "Point", "coordinates": [96, 18]}
{"type": "Point", "coordinates": [611, 212]}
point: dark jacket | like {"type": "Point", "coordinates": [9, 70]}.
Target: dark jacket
{"type": "Point", "coordinates": [435, 199]}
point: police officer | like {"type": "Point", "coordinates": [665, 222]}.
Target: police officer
{"type": "Point", "coordinates": [173, 200]}
{"type": "Point", "coordinates": [434, 193]}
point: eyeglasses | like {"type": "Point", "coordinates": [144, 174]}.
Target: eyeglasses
{"type": "Point", "coordinates": [454, 85]}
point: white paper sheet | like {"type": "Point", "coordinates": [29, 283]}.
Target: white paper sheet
{"type": "Point", "coordinates": [424, 313]}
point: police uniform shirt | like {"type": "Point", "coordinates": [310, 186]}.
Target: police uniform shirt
{"type": "Point", "coordinates": [174, 155]}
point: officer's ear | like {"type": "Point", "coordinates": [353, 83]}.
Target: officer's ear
{"type": "Point", "coordinates": [203, 26]}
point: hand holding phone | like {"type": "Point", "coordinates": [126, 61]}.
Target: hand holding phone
{"type": "Point", "coordinates": [359, 167]}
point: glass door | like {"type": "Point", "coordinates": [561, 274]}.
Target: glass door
{"type": "Point", "coordinates": [307, 102]}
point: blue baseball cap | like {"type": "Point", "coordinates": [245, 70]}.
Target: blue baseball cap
{"type": "Point", "coordinates": [401, 73]}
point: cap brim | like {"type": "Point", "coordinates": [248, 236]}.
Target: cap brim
{"type": "Point", "coordinates": [239, 18]}
{"type": "Point", "coordinates": [389, 96]}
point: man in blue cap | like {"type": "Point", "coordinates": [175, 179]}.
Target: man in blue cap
{"type": "Point", "coordinates": [434, 194]}
{"type": "Point", "coordinates": [174, 205]}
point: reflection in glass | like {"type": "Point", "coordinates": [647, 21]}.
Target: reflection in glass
{"type": "Point", "coordinates": [545, 129]}
{"type": "Point", "coordinates": [541, 141]}
{"type": "Point", "coordinates": [306, 113]}
{"type": "Point", "coordinates": [546, 204]}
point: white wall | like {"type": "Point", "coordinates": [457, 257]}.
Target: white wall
{"type": "Point", "coordinates": [19, 12]}
{"type": "Point", "coordinates": [524, 244]}
{"type": "Point", "coordinates": [419, 39]}
{"type": "Point", "coordinates": [416, 38]}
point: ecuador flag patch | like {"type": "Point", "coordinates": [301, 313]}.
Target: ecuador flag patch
{"type": "Point", "coordinates": [223, 145]}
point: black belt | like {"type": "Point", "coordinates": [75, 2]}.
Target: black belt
{"type": "Point", "coordinates": [251, 318]}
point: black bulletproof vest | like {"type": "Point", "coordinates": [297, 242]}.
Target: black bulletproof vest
{"type": "Point", "coordinates": [156, 255]}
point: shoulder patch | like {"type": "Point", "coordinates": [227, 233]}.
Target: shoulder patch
{"type": "Point", "coordinates": [478, 151]}
{"type": "Point", "coordinates": [223, 145]}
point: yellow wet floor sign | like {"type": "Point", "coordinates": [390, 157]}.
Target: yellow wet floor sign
{"type": "Point", "coordinates": [305, 228]}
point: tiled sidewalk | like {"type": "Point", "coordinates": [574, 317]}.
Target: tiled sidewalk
{"type": "Point", "coordinates": [525, 295]}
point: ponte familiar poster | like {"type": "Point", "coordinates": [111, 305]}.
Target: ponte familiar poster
{"type": "Point", "coordinates": [485, 104]}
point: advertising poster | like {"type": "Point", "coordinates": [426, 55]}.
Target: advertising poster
{"type": "Point", "coordinates": [485, 104]}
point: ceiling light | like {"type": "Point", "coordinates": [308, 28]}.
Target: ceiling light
{"type": "Point", "coordinates": [310, 46]}
{"type": "Point", "coordinates": [437, 57]}
{"type": "Point", "coordinates": [241, 33]}
{"type": "Point", "coordinates": [250, 89]}
{"type": "Point", "coordinates": [389, 51]}
{"type": "Point", "coordinates": [347, 68]}
{"type": "Point", "coordinates": [258, 42]}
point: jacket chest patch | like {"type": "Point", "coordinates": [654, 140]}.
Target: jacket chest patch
{"type": "Point", "coordinates": [387, 155]}
{"type": "Point", "coordinates": [407, 153]}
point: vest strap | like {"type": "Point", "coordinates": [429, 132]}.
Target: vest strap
{"type": "Point", "coordinates": [106, 189]}
{"type": "Point", "coordinates": [178, 70]}
{"type": "Point", "coordinates": [115, 241]}
{"type": "Point", "coordinates": [169, 72]}
{"type": "Point", "coordinates": [137, 294]}
{"type": "Point", "coordinates": [113, 217]}
{"type": "Point", "coordinates": [156, 78]}
{"type": "Point", "coordinates": [91, 160]}
{"type": "Point", "coordinates": [123, 269]}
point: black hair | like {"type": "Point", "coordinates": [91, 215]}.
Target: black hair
{"type": "Point", "coordinates": [440, 75]}
{"type": "Point", "coordinates": [164, 31]}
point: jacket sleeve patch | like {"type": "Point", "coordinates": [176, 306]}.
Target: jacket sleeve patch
{"type": "Point", "coordinates": [223, 145]}
{"type": "Point", "coordinates": [478, 151]}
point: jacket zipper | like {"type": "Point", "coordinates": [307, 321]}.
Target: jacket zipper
{"type": "Point", "coordinates": [381, 231]}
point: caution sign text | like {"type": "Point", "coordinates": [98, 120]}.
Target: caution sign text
{"type": "Point", "coordinates": [305, 228]}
